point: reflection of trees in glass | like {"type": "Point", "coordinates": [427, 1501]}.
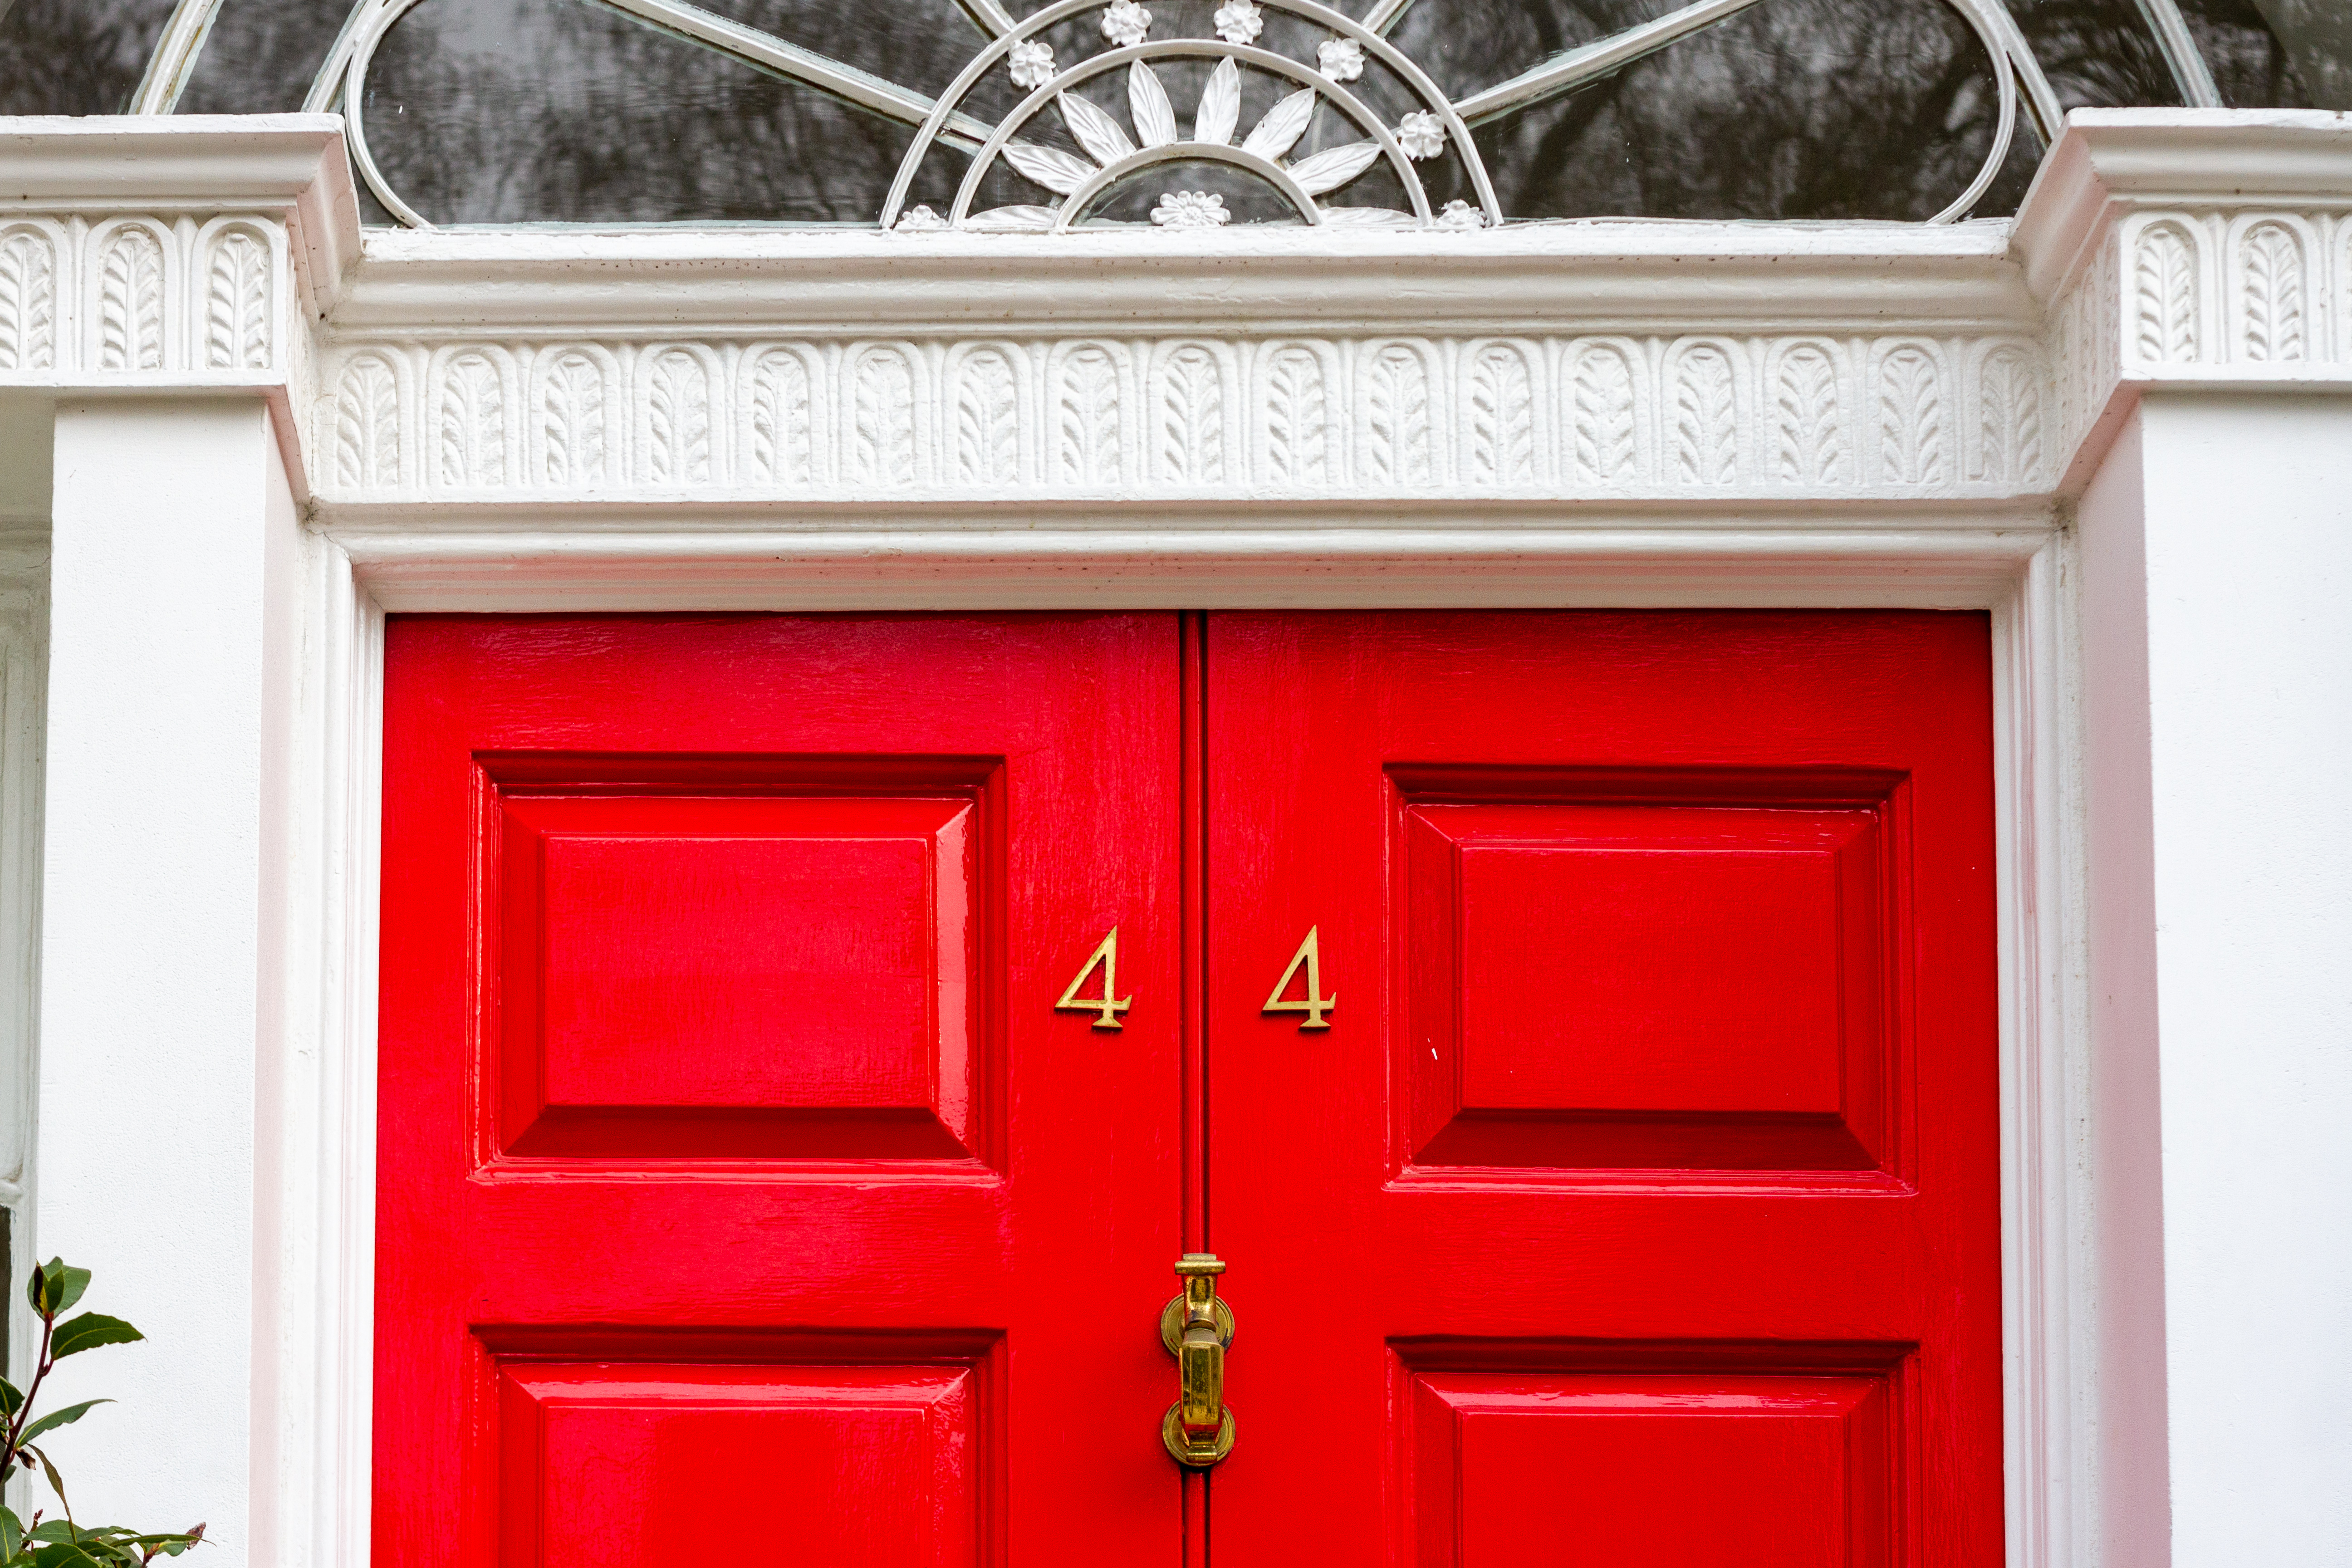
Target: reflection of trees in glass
{"type": "Point", "coordinates": [75, 57]}
{"type": "Point", "coordinates": [1802, 108]}
{"type": "Point", "coordinates": [2250, 65]}
{"type": "Point", "coordinates": [511, 110]}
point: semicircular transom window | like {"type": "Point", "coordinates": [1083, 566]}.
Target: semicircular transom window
{"type": "Point", "coordinates": [1057, 114]}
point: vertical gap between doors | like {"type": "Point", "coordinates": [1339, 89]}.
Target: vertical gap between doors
{"type": "Point", "coordinates": [1194, 1086]}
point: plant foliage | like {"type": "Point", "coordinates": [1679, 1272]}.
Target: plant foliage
{"type": "Point", "coordinates": [61, 1543]}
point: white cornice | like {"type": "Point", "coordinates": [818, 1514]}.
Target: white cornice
{"type": "Point", "coordinates": [2111, 161]}
{"type": "Point", "coordinates": [290, 167]}
{"type": "Point", "coordinates": [1608, 277]}
{"type": "Point", "coordinates": [2205, 250]}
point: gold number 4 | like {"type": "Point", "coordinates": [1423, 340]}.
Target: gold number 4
{"type": "Point", "coordinates": [1105, 1007]}
{"type": "Point", "coordinates": [1316, 1004]}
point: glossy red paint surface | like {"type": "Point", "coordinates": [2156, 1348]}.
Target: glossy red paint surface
{"type": "Point", "coordinates": [740, 1193]}
{"type": "Point", "coordinates": [1638, 1206]}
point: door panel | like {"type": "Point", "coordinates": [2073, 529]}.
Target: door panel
{"type": "Point", "coordinates": [738, 1181]}
{"type": "Point", "coordinates": [1640, 1204]}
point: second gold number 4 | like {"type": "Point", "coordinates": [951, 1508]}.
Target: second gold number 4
{"type": "Point", "coordinates": [1315, 1005]}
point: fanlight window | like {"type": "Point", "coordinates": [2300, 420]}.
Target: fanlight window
{"type": "Point", "coordinates": [1022, 115]}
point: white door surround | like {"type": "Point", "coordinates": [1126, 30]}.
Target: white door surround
{"type": "Point", "coordinates": [257, 433]}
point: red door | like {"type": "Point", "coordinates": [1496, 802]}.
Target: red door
{"type": "Point", "coordinates": [741, 1197]}
{"type": "Point", "coordinates": [1638, 1206]}
{"type": "Point", "coordinates": [1614, 1182]}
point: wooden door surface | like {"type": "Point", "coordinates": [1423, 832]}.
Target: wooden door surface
{"type": "Point", "coordinates": [741, 1197]}
{"type": "Point", "coordinates": [1638, 1206]}
{"type": "Point", "coordinates": [1613, 1180]}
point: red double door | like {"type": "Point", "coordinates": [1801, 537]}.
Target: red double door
{"type": "Point", "coordinates": [745, 1196]}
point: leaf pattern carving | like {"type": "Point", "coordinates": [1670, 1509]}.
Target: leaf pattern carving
{"type": "Point", "coordinates": [783, 444]}
{"type": "Point", "coordinates": [1296, 437]}
{"type": "Point", "coordinates": [237, 304]}
{"type": "Point", "coordinates": [885, 414]}
{"type": "Point", "coordinates": [1191, 418]}
{"type": "Point", "coordinates": [677, 419]}
{"type": "Point", "coordinates": [1502, 418]}
{"type": "Point", "coordinates": [1910, 418]}
{"type": "Point", "coordinates": [988, 421]}
{"type": "Point", "coordinates": [1058, 171]}
{"type": "Point", "coordinates": [1221, 105]}
{"type": "Point", "coordinates": [1398, 442]}
{"type": "Point", "coordinates": [2009, 418]}
{"type": "Point", "coordinates": [1088, 419]}
{"type": "Point", "coordinates": [1808, 438]}
{"type": "Point", "coordinates": [571, 421]}
{"type": "Point", "coordinates": [130, 302]}
{"type": "Point", "coordinates": [2164, 278]}
{"type": "Point", "coordinates": [1283, 124]}
{"type": "Point", "coordinates": [1096, 132]}
{"type": "Point", "coordinates": [28, 274]}
{"type": "Point", "coordinates": [1706, 418]}
{"type": "Point", "coordinates": [1334, 166]}
{"type": "Point", "coordinates": [473, 423]}
{"type": "Point", "coordinates": [1148, 105]}
{"type": "Point", "coordinates": [1603, 415]}
{"type": "Point", "coordinates": [367, 426]}
{"type": "Point", "coordinates": [2270, 257]}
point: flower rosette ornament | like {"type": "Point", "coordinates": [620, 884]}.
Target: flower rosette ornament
{"type": "Point", "coordinates": [1340, 59]}
{"type": "Point", "coordinates": [1031, 63]}
{"type": "Point", "coordinates": [1239, 21]}
{"type": "Point", "coordinates": [1191, 209]}
{"type": "Point", "coordinates": [1126, 22]}
{"type": "Point", "coordinates": [1422, 135]}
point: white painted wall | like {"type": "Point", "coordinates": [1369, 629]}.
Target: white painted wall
{"type": "Point", "coordinates": [168, 702]}
{"type": "Point", "coordinates": [2222, 951]}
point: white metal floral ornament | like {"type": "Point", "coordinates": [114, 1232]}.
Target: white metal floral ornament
{"type": "Point", "coordinates": [1190, 209]}
{"type": "Point", "coordinates": [1318, 138]}
{"type": "Point", "coordinates": [1238, 21]}
{"type": "Point", "coordinates": [1126, 22]}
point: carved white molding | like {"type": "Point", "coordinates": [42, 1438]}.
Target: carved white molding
{"type": "Point", "coordinates": [1702, 416]}
{"type": "Point", "coordinates": [2193, 249]}
{"type": "Point", "coordinates": [82, 299]}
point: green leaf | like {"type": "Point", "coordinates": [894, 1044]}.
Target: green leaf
{"type": "Point", "coordinates": [88, 1332]}
{"type": "Point", "coordinates": [11, 1398]}
{"type": "Point", "coordinates": [71, 1283]}
{"type": "Point", "coordinates": [54, 1529]}
{"type": "Point", "coordinates": [53, 1287]}
{"type": "Point", "coordinates": [64, 1554]}
{"type": "Point", "coordinates": [65, 1417]}
{"type": "Point", "coordinates": [12, 1534]}
{"type": "Point", "coordinates": [56, 1482]}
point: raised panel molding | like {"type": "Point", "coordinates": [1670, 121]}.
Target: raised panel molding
{"type": "Point", "coordinates": [1710, 416]}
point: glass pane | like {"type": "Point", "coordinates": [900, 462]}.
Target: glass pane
{"type": "Point", "coordinates": [2277, 54]}
{"type": "Point", "coordinates": [535, 111]}
{"type": "Point", "coordinates": [261, 55]}
{"type": "Point", "coordinates": [1800, 109]}
{"type": "Point", "coordinates": [75, 56]}
{"type": "Point", "coordinates": [2098, 54]}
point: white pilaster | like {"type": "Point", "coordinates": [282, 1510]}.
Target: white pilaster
{"type": "Point", "coordinates": [171, 691]}
{"type": "Point", "coordinates": [2219, 747]}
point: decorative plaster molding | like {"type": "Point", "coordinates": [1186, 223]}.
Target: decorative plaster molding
{"type": "Point", "coordinates": [2197, 249]}
{"type": "Point", "coordinates": [1707, 416]}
